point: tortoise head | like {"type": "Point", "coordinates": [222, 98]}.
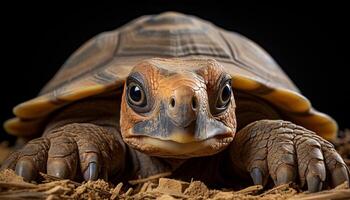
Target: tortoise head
{"type": "Point", "coordinates": [178, 108]}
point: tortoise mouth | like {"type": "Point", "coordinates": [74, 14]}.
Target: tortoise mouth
{"type": "Point", "coordinates": [163, 128]}
{"type": "Point", "coordinates": [166, 147]}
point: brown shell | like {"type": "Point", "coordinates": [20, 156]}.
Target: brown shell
{"type": "Point", "coordinates": [103, 63]}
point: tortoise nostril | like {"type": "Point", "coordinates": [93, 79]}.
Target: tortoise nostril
{"type": "Point", "coordinates": [172, 102]}
{"type": "Point", "coordinates": [194, 103]}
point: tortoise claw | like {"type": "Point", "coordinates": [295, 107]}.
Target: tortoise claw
{"type": "Point", "coordinates": [339, 176]}
{"type": "Point", "coordinates": [91, 172]}
{"type": "Point", "coordinates": [26, 169]}
{"type": "Point", "coordinates": [257, 176]}
{"type": "Point", "coordinates": [314, 183]}
{"type": "Point", "coordinates": [59, 169]}
{"type": "Point", "coordinates": [285, 174]}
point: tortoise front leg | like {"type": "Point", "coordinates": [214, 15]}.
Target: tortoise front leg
{"type": "Point", "coordinates": [82, 140]}
{"type": "Point", "coordinates": [70, 151]}
{"type": "Point", "coordinates": [286, 152]}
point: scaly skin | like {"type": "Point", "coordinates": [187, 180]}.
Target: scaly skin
{"type": "Point", "coordinates": [287, 153]}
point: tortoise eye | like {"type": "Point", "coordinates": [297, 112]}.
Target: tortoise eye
{"type": "Point", "coordinates": [136, 95]}
{"type": "Point", "coordinates": [224, 96]}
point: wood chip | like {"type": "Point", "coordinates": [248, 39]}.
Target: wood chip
{"type": "Point", "coordinates": [116, 191]}
{"type": "Point", "coordinates": [150, 178]}
{"type": "Point", "coordinates": [250, 190]}
{"type": "Point", "coordinates": [127, 193]}
{"type": "Point", "coordinates": [197, 189]}
{"type": "Point", "coordinates": [16, 185]}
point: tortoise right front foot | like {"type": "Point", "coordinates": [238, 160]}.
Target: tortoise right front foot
{"type": "Point", "coordinates": [72, 151]}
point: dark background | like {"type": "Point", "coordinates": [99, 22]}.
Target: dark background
{"type": "Point", "coordinates": [310, 42]}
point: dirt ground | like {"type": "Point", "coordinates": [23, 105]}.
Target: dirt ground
{"type": "Point", "coordinates": [157, 187]}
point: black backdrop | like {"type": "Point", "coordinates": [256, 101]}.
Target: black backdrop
{"type": "Point", "coordinates": [308, 41]}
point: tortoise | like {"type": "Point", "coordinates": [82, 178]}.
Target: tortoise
{"type": "Point", "coordinates": [172, 92]}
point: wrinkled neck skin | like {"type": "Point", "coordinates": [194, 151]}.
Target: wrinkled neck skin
{"type": "Point", "coordinates": [215, 170]}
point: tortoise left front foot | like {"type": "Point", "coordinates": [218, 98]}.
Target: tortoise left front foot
{"type": "Point", "coordinates": [287, 153]}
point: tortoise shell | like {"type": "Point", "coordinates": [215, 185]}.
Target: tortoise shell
{"type": "Point", "coordinates": [103, 63]}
